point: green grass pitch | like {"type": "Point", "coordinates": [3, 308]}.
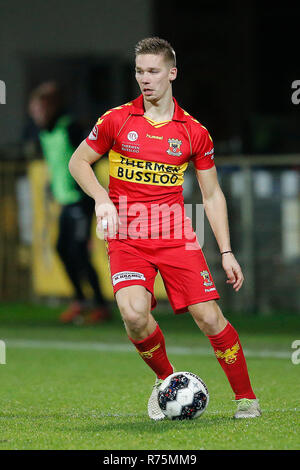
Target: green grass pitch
{"type": "Point", "coordinates": [68, 387]}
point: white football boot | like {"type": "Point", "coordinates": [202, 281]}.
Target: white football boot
{"type": "Point", "coordinates": [154, 411]}
{"type": "Point", "coordinates": [247, 409]}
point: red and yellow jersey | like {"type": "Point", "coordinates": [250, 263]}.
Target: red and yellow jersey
{"type": "Point", "coordinates": [147, 159]}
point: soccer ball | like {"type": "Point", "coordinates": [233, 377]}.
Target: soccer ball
{"type": "Point", "coordinates": [183, 395]}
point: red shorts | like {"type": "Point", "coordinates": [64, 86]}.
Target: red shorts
{"type": "Point", "coordinates": [185, 274]}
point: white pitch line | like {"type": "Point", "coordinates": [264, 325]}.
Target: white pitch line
{"type": "Point", "coordinates": [120, 347]}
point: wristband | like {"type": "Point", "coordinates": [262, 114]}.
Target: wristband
{"type": "Point", "coordinates": [223, 253]}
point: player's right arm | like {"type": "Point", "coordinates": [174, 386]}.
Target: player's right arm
{"type": "Point", "coordinates": [80, 167]}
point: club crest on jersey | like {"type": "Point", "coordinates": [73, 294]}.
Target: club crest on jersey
{"type": "Point", "coordinates": [174, 147]}
{"type": "Point", "coordinates": [206, 279]}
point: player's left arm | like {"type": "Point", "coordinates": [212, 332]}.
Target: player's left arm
{"type": "Point", "coordinates": [216, 210]}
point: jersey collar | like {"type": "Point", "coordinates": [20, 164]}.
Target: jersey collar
{"type": "Point", "coordinates": [137, 109]}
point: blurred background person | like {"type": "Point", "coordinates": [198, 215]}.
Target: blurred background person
{"type": "Point", "coordinates": [59, 135]}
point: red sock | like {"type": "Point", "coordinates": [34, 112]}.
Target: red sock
{"type": "Point", "coordinates": [153, 351]}
{"type": "Point", "coordinates": [229, 353]}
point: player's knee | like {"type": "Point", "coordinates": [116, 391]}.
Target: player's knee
{"type": "Point", "coordinates": [134, 312]}
{"type": "Point", "coordinates": [206, 315]}
{"type": "Point", "coordinates": [135, 323]}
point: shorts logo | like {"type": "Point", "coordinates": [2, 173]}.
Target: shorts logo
{"type": "Point", "coordinates": [206, 280]}
{"type": "Point", "coordinates": [132, 136]}
{"type": "Point", "coordinates": [174, 147]}
{"type": "Point", "coordinates": [229, 355]}
{"type": "Point", "coordinates": [94, 133]}
{"type": "Point", "coordinates": [127, 276]}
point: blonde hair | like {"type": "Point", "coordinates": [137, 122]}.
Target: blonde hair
{"type": "Point", "coordinates": [156, 45]}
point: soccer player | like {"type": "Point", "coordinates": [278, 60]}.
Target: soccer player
{"type": "Point", "coordinates": [150, 142]}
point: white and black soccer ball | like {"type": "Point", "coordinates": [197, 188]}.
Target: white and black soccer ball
{"type": "Point", "coordinates": [183, 395]}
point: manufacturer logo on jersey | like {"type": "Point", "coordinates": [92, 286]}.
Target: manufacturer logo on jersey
{"type": "Point", "coordinates": [94, 133]}
{"type": "Point", "coordinates": [206, 280]}
{"type": "Point", "coordinates": [174, 148]}
{"type": "Point", "coordinates": [158, 137]}
{"type": "Point", "coordinates": [132, 136]}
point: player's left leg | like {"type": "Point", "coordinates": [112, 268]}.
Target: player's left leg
{"type": "Point", "coordinates": [229, 352]}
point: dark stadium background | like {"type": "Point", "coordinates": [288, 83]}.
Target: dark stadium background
{"type": "Point", "coordinates": [237, 62]}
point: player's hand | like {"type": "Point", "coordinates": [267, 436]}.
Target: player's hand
{"type": "Point", "coordinates": [233, 271]}
{"type": "Point", "coordinates": [107, 219]}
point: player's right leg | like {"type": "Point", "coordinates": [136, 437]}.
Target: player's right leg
{"type": "Point", "coordinates": [133, 274]}
{"type": "Point", "coordinates": [134, 303]}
